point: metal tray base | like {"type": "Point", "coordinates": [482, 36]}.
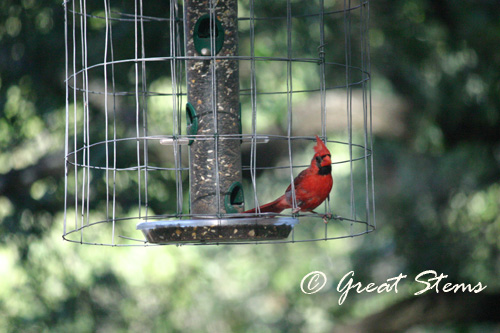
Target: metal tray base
{"type": "Point", "coordinates": [217, 230]}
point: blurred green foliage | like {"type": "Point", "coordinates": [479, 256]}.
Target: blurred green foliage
{"type": "Point", "coordinates": [437, 186]}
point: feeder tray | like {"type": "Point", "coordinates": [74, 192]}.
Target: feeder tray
{"type": "Point", "coordinates": [217, 230]}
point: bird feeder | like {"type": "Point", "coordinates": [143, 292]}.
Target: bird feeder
{"type": "Point", "coordinates": [156, 130]}
{"type": "Point", "coordinates": [214, 130]}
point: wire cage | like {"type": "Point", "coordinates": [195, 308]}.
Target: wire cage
{"type": "Point", "coordinates": [181, 113]}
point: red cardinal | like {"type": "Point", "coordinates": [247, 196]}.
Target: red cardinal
{"type": "Point", "coordinates": [312, 185]}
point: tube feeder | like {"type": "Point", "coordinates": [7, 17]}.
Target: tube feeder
{"type": "Point", "coordinates": [213, 115]}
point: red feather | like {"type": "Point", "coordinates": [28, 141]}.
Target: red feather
{"type": "Point", "coordinates": [312, 185]}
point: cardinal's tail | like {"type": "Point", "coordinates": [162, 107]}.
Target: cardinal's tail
{"type": "Point", "coordinates": [277, 206]}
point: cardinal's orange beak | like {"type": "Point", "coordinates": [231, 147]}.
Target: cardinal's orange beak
{"type": "Point", "coordinates": [326, 161]}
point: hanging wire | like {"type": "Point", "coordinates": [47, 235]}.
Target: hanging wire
{"type": "Point", "coordinates": [214, 106]}
{"type": "Point", "coordinates": [322, 80]}
{"type": "Point", "coordinates": [369, 108]}
{"type": "Point", "coordinates": [144, 112]}
{"type": "Point", "coordinates": [75, 130]}
{"type": "Point", "coordinates": [289, 95]}
{"type": "Point", "coordinates": [374, 221]}
{"type": "Point", "coordinates": [137, 108]}
{"type": "Point", "coordinates": [106, 121]}
{"type": "Point", "coordinates": [109, 44]}
{"type": "Point", "coordinates": [253, 100]}
{"type": "Point", "coordinates": [114, 123]}
{"type": "Point", "coordinates": [66, 131]}
{"type": "Point", "coordinates": [86, 135]}
{"type": "Point", "coordinates": [348, 57]}
{"type": "Point", "coordinates": [364, 41]}
{"type": "Point", "coordinates": [176, 101]}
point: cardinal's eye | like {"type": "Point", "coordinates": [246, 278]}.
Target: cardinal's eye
{"type": "Point", "coordinates": [318, 159]}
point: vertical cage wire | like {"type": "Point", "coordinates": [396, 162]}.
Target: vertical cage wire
{"type": "Point", "coordinates": [128, 150]}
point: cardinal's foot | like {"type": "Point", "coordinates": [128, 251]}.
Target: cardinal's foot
{"type": "Point", "coordinates": [327, 217]}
